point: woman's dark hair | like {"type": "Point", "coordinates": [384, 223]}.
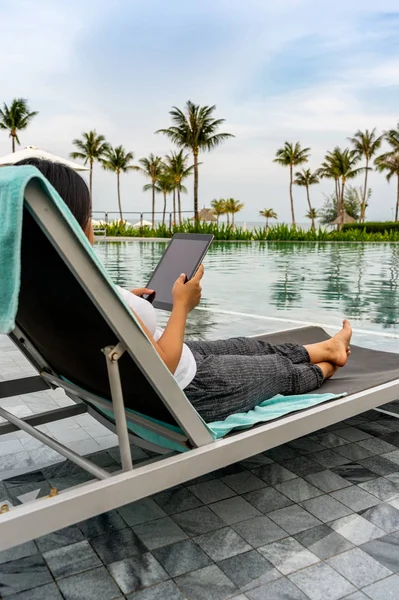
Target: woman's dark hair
{"type": "Point", "coordinates": [70, 186]}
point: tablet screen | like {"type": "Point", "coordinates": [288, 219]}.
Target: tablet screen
{"type": "Point", "coordinates": [183, 255]}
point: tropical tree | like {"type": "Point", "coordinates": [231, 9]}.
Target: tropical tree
{"type": "Point", "coordinates": [268, 213]}
{"type": "Point", "coordinates": [329, 170]}
{"type": "Point", "coordinates": [389, 163]}
{"type": "Point", "coordinates": [218, 208]}
{"type": "Point", "coordinates": [233, 207]}
{"type": "Point", "coordinates": [91, 148]}
{"type": "Point", "coordinates": [152, 168]}
{"type": "Point", "coordinates": [176, 164]}
{"type": "Point", "coordinates": [312, 214]}
{"type": "Point", "coordinates": [118, 161]}
{"type": "Point", "coordinates": [195, 129]}
{"type": "Point", "coordinates": [164, 185]}
{"type": "Point", "coordinates": [16, 117]}
{"type": "Point", "coordinates": [366, 143]}
{"type": "Point", "coordinates": [329, 212]}
{"type": "Point", "coordinates": [290, 156]}
{"type": "Point", "coordinates": [306, 178]}
{"type": "Point", "coordinates": [356, 194]}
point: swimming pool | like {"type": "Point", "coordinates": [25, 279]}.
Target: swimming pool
{"type": "Point", "coordinates": [280, 284]}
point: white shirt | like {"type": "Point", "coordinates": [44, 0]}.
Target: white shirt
{"type": "Point", "coordinates": [187, 367]}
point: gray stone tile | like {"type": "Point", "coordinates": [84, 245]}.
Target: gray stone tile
{"type": "Point", "coordinates": [298, 489]}
{"type": "Point", "coordinates": [273, 473]}
{"type": "Point", "coordinates": [244, 482]}
{"type": "Point", "coordinates": [141, 511]}
{"type": "Point", "coordinates": [374, 428]}
{"type": "Point", "coordinates": [321, 582]}
{"type": "Point", "coordinates": [302, 465]}
{"type": "Point", "coordinates": [137, 572]}
{"type": "Point", "coordinates": [382, 488]}
{"type": "Point", "coordinates": [356, 596]}
{"type": "Point", "coordinates": [281, 453]}
{"type": "Point", "coordinates": [234, 510]}
{"type": "Point", "coordinates": [384, 516]}
{"type": "Point", "coordinates": [329, 459]}
{"type": "Point", "coordinates": [199, 520]}
{"type": "Point", "coordinates": [44, 592]}
{"type": "Point", "coordinates": [293, 519]}
{"type": "Point", "coordinates": [328, 481]}
{"type": "Point", "coordinates": [385, 550]}
{"type": "Point", "coordinates": [377, 446]}
{"type": "Point", "coordinates": [356, 529]}
{"type": "Point", "coordinates": [117, 545]}
{"type": "Point", "coordinates": [73, 559]}
{"type": "Point", "coordinates": [256, 461]}
{"type": "Point", "coordinates": [392, 456]}
{"type": "Point", "coordinates": [259, 531]}
{"type": "Point", "coordinates": [387, 589]}
{"type": "Point", "coordinates": [96, 584]}
{"type": "Point", "coordinates": [211, 491]}
{"type": "Point", "coordinates": [177, 500]}
{"type": "Point", "coordinates": [159, 533]}
{"type": "Point", "coordinates": [354, 472]}
{"type": "Point", "coordinates": [102, 524]}
{"type": "Point", "coordinates": [163, 591]}
{"type": "Point", "coordinates": [323, 541]}
{"type": "Point", "coordinates": [354, 452]}
{"type": "Point", "coordinates": [63, 537]}
{"type": "Point", "coordinates": [352, 434]}
{"type": "Point", "coordinates": [232, 469]}
{"type": "Point", "coordinates": [209, 583]}
{"type": "Point", "coordinates": [267, 500]}
{"type": "Point", "coordinates": [23, 574]}
{"type": "Point", "coordinates": [200, 479]}
{"type": "Point", "coordinates": [379, 465]}
{"type": "Point", "coordinates": [34, 478]}
{"type": "Point", "coordinates": [182, 557]}
{"type": "Point", "coordinates": [249, 570]}
{"type": "Point", "coordinates": [355, 498]}
{"type": "Point", "coordinates": [359, 567]}
{"type": "Point", "coordinates": [288, 555]}
{"type": "Point", "coordinates": [18, 552]}
{"type": "Point", "coordinates": [325, 508]}
{"type": "Point", "coordinates": [328, 439]}
{"type": "Point", "coordinates": [282, 589]}
{"type": "Point", "coordinates": [305, 445]}
{"type": "Point", "coordinates": [222, 544]}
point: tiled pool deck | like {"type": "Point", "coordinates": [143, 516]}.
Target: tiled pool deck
{"type": "Point", "coordinates": [315, 519]}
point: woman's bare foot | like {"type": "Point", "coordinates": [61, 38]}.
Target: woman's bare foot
{"type": "Point", "coordinates": [328, 369]}
{"type": "Point", "coordinates": [339, 348]}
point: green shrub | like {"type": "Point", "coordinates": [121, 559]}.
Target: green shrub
{"type": "Point", "coordinates": [371, 227]}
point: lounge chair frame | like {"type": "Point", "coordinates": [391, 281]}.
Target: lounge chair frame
{"type": "Point", "coordinates": [204, 454]}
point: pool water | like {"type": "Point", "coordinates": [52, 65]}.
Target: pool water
{"type": "Point", "coordinates": [293, 282]}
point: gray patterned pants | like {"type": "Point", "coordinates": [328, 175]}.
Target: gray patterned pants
{"type": "Point", "coordinates": [236, 375]}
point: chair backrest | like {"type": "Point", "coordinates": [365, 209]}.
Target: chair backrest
{"type": "Point", "coordinates": [65, 326]}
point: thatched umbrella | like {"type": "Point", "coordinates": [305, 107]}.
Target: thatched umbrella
{"type": "Point", "coordinates": [205, 214]}
{"type": "Point", "coordinates": [345, 218]}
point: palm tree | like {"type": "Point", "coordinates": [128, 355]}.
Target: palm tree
{"type": "Point", "coordinates": [176, 164]}
{"type": "Point", "coordinates": [151, 167]}
{"type": "Point", "coordinates": [91, 148]}
{"type": "Point", "coordinates": [218, 208]}
{"type": "Point", "coordinates": [195, 129]}
{"type": "Point", "coordinates": [16, 117]}
{"type": "Point", "coordinates": [306, 178]}
{"type": "Point", "coordinates": [164, 185]}
{"type": "Point", "coordinates": [329, 170]}
{"type": "Point", "coordinates": [268, 213]}
{"type": "Point", "coordinates": [233, 207]}
{"type": "Point", "coordinates": [290, 156]}
{"type": "Point", "coordinates": [312, 214]}
{"type": "Point", "coordinates": [389, 163]}
{"type": "Point", "coordinates": [366, 143]}
{"type": "Point", "coordinates": [118, 161]}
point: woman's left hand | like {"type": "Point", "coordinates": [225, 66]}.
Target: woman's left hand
{"type": "Point", "coordinates": [141, 291]}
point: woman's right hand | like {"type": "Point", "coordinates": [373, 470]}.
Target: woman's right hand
{"type": "Point", "coordinates": [188, 294]}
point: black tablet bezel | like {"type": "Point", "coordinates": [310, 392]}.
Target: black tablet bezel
{"type": "Point", "coordinates": [181, 236]}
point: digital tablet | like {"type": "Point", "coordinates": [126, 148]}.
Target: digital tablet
{"type": "Point", "coordinates": [184, 254]}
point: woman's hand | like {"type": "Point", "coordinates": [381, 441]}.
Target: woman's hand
{"type": "Point", "coordinates": [141, 291]}
{"type": "Point", "coordinates": [188, 295]}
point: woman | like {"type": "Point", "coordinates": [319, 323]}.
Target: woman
{"type": "Point", "coordinates": [219, 377]}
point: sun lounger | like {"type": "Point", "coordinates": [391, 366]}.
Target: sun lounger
{"type": "Point", "coordinates": [75, 329]}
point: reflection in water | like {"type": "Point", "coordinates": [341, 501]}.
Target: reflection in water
{"type": "Point", "coordinates": [309, 282]}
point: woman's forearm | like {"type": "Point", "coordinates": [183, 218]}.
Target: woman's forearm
{"type": "Point", "coordinates": [172, 339]}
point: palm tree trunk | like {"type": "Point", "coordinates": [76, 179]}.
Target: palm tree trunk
{"type": "Point", "coordinates": [217, 220]}
{"type": "Point", "coordinates": [179, 203]}
{"type": "Point", "coordinates": [267, 224]}
{"type": "Point", "coordinates": [397, 203]}
{"type": "Point", "coordinates": [13, 141]}
{"type": "Point", "coordinates": [341, 212]}
{"type": "Point", "coordinates": [365, 191]}
{"type": "Point", "coordinates": [308, 198]}
{"type": "Point", "coordinates": [292, 198]}
{"type": "Point", "coordinates": [228, 219]}
{"type": "Point", "coordinates": [119, 196]}
{"type": "Point", "coordinates": [91, 180]}
{"type": "Point", "coordinates": [195, 152]}
{"type": "Point", "coordinates": [174, 205]}
{"type": "Point", "coordinates": [232, 220]}
{"type": "Point", "coordinates": [153, 204]}
{"type": "Point", "coordinates": [164, 208]}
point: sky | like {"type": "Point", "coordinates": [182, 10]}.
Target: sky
{"type": "Point", "coordinates": [311, 71]}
